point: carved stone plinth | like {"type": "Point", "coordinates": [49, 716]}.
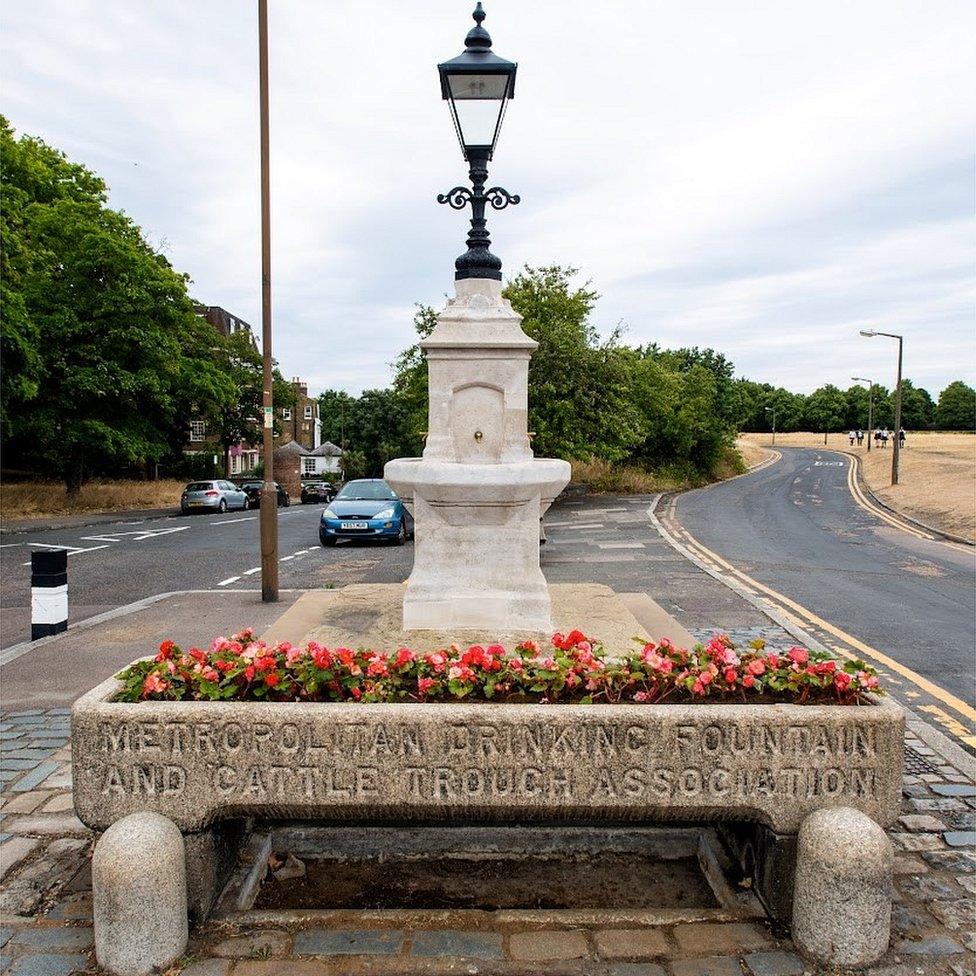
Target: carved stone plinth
{"type": "Point", "coordinates": [477, 494]}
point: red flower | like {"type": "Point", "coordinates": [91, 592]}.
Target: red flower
{"type": "Point", "coordinates": [748, 681]}
{"type": "Point", "coordinates": [404, 657]}
{"type": "Point", "coordinates": [730, 675]}
{"type": "Point", "coordinates": [271, 679]}
{"type": "Point", "coordinates": [321, 657]}
{"type": "Point", "coordinates": [166, 650]}
{"type": "Point", "coordinates": [424, 685]}
{"type": "Point", "coordinates": [249, 672]}
{"type": "Point", "coordinates": [756, 666]}
{"type": "Point", "coordinates": [842, 680]}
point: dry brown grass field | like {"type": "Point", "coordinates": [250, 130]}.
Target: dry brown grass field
{"type": "Point", "coordinates": [39, 498]}
{"type": "Point", "coordinates": [937, 481]}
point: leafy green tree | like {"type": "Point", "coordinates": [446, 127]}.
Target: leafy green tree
{"type": "Point", "coordinates": [957, 407]}
{"type": "Point", "coordinates": [825, 409]}
{"type": "Point", "coordinates": [335, 410]}
{"type": "Point", "coordinates": [580, 403]}
{"type": "Point", "coordinates": [109, 358]}
{"type": "Point", "coordinates": [917, 408]}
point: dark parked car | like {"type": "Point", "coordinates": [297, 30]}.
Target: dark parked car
{"type": "Point", "coordinates": [253, 491]}
{"type": "Point", "coordinates": [317, 491]}
{"type": "Point", "coordinates": [365, 509]}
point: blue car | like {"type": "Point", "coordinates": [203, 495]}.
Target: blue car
{"type": "Point", "coordinates": [365, 509]}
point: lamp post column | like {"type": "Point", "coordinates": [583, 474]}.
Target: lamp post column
{"type": "Point", "coordinates": [870, 413]}
{"type": "Point", "coordinates": [269, 494]}
{"type": "Point", "coordinates": [897, 432]}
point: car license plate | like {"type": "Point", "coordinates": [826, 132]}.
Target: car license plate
{"type": "Point", "coordinates": [354, 525]}
{"type": "Point", "coordinates": [195, 503]}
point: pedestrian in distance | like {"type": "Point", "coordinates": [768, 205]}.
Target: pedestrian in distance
{"type": "Point", "coordinates": [860, 438]}
{"type": "Point", "coordinates": [852, 436]}
{"type": "Point", "coordinates": [884, 438]}
{"type": "Point", "coordinates": [901, 437]}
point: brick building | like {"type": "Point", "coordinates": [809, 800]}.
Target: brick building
{"type": "Point", "coordinates": [300, 423]}
{"type": "Point", "coordinates": [241, 457]}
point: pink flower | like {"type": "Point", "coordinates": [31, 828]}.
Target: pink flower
{"type": "Point", "coordinates": [437, 660]}
{"type": "Point", "coordinates": [424, 685]}
{"type": "Point", "coordinates": [292, 655]}
{"type": "Point", "coordinates": [641, 696]}
{"type": "Point", "coordinates": [756, 666]}
{"type": "Point", "coordinates": [730, 675]}
{"type": "Point", "coordinates": [798, 655]}
{"type": "Point", "coordinates": [842, 680]}
{"type": "Point", "coordinates": [154, 685]}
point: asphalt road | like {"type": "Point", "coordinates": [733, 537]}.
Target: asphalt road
{"type": "Point", "coordinates": [112, 564]}
{"type": "Point", "coordinates": [795, 527]}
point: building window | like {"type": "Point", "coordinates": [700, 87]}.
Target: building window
{"type": "Point", "coordinates": [308, 465]}
{"type": "Point", "coordinates": [235, 464]}
{"type": "Point", "coordinates": [198, 430]}
{"type": "Point", "coordinates": [308, 411]}
{"type": "Point", "coordinates": [286, 413]}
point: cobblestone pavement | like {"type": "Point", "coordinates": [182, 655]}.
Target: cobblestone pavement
{"type": "Point", "coordinates": [45, 882]}
{"type": "Point", "coordinates": [45, 897]}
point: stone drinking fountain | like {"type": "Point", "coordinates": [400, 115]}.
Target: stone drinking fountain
{"type": "Point", "coordinates": [477, 494]}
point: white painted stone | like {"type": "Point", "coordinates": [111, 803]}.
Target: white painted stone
{"type": "Point", "coordinates": [139, 887]}
{"type": "Point", "coordinates": [843, 888]}
{"type": "Point", "coordinates": [477, 494]}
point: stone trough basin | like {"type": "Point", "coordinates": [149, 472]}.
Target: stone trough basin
{"type": "Point", "coordinates": [210, 766]}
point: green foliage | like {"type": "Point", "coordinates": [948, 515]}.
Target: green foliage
{"type": "Point", "coordinates": [957, 407]}
{"type": "Point", "coordinates": [825, 409]}
{"type": "Point", "coordinates": [590, 399]}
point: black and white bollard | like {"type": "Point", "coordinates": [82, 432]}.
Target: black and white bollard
{"type": "Point", "coordinates": [49, 592]}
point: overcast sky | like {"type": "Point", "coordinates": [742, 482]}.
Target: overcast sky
{"type": "Point", "coordinates": [765, 178]}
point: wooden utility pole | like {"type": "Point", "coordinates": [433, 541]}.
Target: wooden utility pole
{"type": "Point", "coordinates": [269, 495]}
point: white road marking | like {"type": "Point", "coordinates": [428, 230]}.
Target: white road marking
{"type": "Point", "coordinates": [620, 545]}
{"type": "Point", "coordinates": [72, 550]}
{"type": "Point", "coordinates": [246, 518]}
{"type": "Point", "coordinates": [251, 572]}
{"type": "Point", "coordinates": [285, 559]}
{"type": "Point", "coordinates": [99, 538]}
{"type": "Point", "coordinates": [229, 580]}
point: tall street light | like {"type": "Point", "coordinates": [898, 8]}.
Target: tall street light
{"type": "Point", "coordinates": [870, 383]}
{"type": "Point", "coordinates": [269, 494]}
{"type": "Point", "coordinates": [772, 410]}
{"type": "Point", "coordinates": [477, 86]}
{"type": "Point", "coordinates": [870, 333]}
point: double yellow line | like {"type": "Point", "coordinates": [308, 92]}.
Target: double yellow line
{"type": "Point", "coordinates": [798, 614]}
{"type": "Point", "coordinates": [862, 500]}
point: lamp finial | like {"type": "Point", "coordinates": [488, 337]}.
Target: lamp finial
{"type": "Point", "coordinates": [478, 38]}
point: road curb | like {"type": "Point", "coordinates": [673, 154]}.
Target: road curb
{"type": "Point", "coordinates": [918, 523]}
{"type": "Point", "coordinates": [21, 526]}
{"type": "Point", "coordinates": [15, 651]}
{"type": "Point", "coordinates": [953, 754]}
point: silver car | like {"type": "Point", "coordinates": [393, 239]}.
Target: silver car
{"type": "Point", "coordinates": [219, 496]}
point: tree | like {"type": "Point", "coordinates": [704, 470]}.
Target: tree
{"type": "Point", "coordinates": [957, 407]}
{"type": "Point", "coordinates": [825, 409]}
{"type": "Point", "coordinates": [580, 403]}
{"type": "Point", "coordinates": [917, 408]}
{"type": "Point", "coordinates": [238, 419]}
{"type": "Point", "coordinates": [106, 349]}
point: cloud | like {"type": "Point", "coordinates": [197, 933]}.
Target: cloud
{"type": "Point", "coordinates": [762, 178]}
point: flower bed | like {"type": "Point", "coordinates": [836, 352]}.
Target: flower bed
{"type": "Point", "coordinates": [575, 669]}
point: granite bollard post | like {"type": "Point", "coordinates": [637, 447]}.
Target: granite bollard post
{"type": "Point", "coordinates": [139, 886]}
{"type": "Point", "coordinates": [842, 891]}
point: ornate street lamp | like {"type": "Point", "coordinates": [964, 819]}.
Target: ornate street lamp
{"type": "Point", "coordinates": [477, 86]}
